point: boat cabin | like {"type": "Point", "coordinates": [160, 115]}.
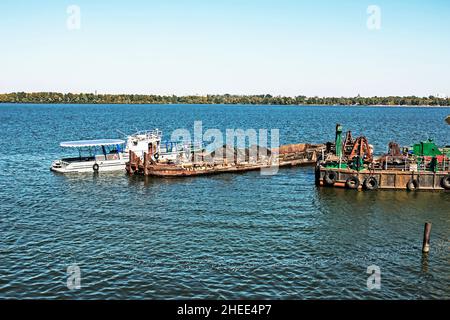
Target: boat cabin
{"type": "Point", "coordinates": [93, 156]}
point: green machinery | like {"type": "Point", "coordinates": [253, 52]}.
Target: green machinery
{"type": "Point", "coordinates": [338, 140]}
{"type": "Point", "coordinates": [420, 150]}
{"type": "Point", "coordinates": [426, 149]}
{"type": "Point", "coordinates": [430, 149]}
{"type": "Point", "coordinates": [338, 151]}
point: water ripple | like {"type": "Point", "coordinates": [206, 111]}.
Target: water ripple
{"type": "Point", "coordinates": [227, 236]}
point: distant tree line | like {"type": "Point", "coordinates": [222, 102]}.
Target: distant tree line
{"type": "Point", "coordinates": [265, 99]}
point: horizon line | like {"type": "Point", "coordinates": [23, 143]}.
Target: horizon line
{"type": "Point", "coordinates": [435, 96]}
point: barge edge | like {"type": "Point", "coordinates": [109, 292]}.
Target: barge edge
{"type": "Point", "coordinates": [382, 179]}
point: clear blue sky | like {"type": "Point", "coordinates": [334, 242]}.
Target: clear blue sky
{"type": "Point", "coordinates": [285, 47]}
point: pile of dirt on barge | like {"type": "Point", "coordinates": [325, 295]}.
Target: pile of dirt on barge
{"type": "Point", "coordinates": [172, 159]}
{"type": "Point", "coordinates": [349, 163]}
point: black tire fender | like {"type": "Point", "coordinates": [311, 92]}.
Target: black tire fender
{"type": "Point", "coordinates": [330, 178]}
{"type": "Point", "coordinates": [412, 185]}
{"type": "Point", "coordinates": [95, 167]}
{"type": "Point", "coordinates": [352, 183]}
{"type": "Point", "coordinates": [445, 182]}
{"type": "Point", "coordinates": [371, 183]}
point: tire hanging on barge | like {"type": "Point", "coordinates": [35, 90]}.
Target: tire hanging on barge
{"type": "Point", "coordinates": [352, 183]}
{"type": "Point", "coordinates": [371, 183]}
{"type": "Point", "coordinates": [445, 182]}
{"type": "Point", "coordinates": [330, 178]}
{"type": "Point", "coordinates": [412, 185]}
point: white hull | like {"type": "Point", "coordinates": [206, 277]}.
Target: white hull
{"type": "Point", "coordinates": [109, 158]}
{"type": "Point", "coordinates": [62, 166]}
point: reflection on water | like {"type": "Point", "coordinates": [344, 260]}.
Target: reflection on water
{"type": "Point", "coordinates": [389, 200]}
{"type": "Point", "coordinates": [425, 262]}
{"type": "Point", "coordinates": [224, 236]}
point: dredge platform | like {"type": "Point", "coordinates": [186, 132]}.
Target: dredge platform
{"type": "Point", "coordinates": [350, 164]}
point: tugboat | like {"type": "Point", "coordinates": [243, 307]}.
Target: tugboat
{"type": "Point", "coordinates": [350, 164]}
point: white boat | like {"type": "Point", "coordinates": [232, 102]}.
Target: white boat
{"type": "Point", "coordinates": [106, 154]}
{"type": "Point", "coordinates": [93, 156]}
{"type": "Point", "coordinates": [113, 154]}
{"type": "Point", "coordinates": [150, 142]}
{"type": "Point", "coordinates": [143, 141]}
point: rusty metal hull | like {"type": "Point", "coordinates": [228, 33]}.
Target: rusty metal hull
{"type": "Point", "coordinates": [173, 171]}
{"type": "Point", "coordinates": [291, 155]}
{"type": "Point", "coordinates": [386, 179]}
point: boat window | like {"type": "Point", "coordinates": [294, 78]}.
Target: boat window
{"type": "Point", "coordinates": [113, 149]}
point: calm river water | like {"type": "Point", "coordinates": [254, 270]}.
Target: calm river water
{"type": "Point", "coordinates": [227, 236]}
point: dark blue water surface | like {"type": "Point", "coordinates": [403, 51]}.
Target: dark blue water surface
{"type": "Point", "coordinates": [226, 236]}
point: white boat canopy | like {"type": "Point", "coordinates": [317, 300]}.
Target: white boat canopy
{"type": "Point", "coordinates": [91, 143]}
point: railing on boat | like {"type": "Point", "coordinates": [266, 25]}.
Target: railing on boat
{"type": "Point", "coordinates": [423, 164]}
{"type": "Point", "coordinates": [149, 134]}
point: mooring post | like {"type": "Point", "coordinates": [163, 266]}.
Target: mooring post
{"type": "Point", "coordinates": [145, 163]}
{"type": "Point", "coordinates": [426, 238]}
{"type": "Point", "coordinates": [128, 164]}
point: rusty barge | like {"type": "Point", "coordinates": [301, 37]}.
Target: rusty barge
{"type": "Point", "coordinates": [175, 159]}
{"type": "Point", "coordinates": [350, 164]}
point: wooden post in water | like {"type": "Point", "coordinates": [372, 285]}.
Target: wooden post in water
{"type": "Point", "coordinates": [426, 238]}
{"type": "Point", "coordinates": [130, 163]}
{"type": "Point", "coordinates": [146, 155]}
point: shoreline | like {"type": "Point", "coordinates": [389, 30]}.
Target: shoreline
{"type": "Point", "coordinates": [228, 104]}
{"type": "Point", "coordinates": [223, 99]}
